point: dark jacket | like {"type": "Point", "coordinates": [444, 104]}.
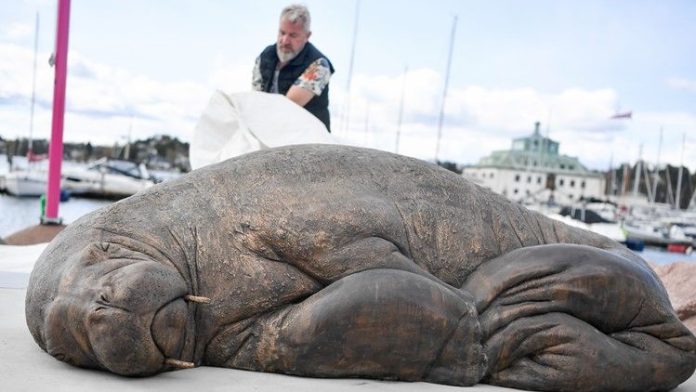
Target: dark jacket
{"type": "Point", "coordinates": [319, 104]}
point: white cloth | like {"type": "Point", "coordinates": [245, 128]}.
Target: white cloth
{"type": "Point", "coordinates": [239, 123]}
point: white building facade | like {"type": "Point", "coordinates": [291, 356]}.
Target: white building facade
{"type": "Point", "coordinates": [533, 171]}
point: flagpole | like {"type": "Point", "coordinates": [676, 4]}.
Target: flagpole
{"type": "Point", "coordinates": [444, 90]}
{"type": "Point", "coordinates": [56, 147]}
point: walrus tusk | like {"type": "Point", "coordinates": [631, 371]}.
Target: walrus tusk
{"type": "Point", "coordinates": [197, 299]}
{"type": "Point", "coordinates": [179, 364]}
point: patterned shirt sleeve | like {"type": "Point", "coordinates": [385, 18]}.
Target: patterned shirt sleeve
{"type": "Point", "coordinates": [315, 77]}
{"type": "Point", "coordinates": [256, 78]}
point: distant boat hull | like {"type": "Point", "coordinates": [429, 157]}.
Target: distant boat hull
{"type": "Point", "coordinates": [25, 183]}
{"type": "Point", "coordinates": [607, 229]}
{"type": "Point", "coordinates": [650, 236]}
{"type": "Point", "coordinates": [107, 179]}
{"type": "Point", "coordinates": [103, 179]}
{"type": "Point", "coordinates": [103, 185]}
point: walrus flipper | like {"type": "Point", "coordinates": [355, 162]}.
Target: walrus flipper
{"type": "Point", "coordinates": [571, 317]}
{"type": "Point", "coordinates": [383, 323]}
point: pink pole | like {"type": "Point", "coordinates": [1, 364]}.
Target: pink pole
{"type": "Point", "coordinates": [56, 148]}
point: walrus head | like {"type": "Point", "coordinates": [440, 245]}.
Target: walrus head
{"type": "Point", "coordinates": [112, 308]}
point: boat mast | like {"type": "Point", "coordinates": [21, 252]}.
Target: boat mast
{"type": "Point", "coordinates": [670, 195]}
{"type": "Point", "coordinates": [679, 179]}
{"type": "Point", "coordinates": [367, 122]}
{"type": "Point", "coordinates": [444, 90]}
{"type": "Point", "coordinates": [639, 168]}
{"type": "Point", "coordinates": [56, 148]}
{"type": "Point", "coordinates": [401, 110]}
{"type": "Point", "coordinates": [30, 148]}
{"type": "Point", "coordinates": [612, 187]}
{"type": "Point", "coordinates": [624, 179]}
{"type": "Point", "coordinates": [346, 112]}
{"type": "Point", "coordinates": [648, 187]}
{"type": "Point", "coordinates": [656, 175]}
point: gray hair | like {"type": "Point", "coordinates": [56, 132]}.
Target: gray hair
{"type": "Point", "coordinates": [297, 13]}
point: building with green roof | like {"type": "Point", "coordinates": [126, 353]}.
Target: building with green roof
{"type": "Point", "coordinates": [532, 170]}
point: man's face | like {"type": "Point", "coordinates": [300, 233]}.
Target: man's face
{"type": "Point", "coordinates": [291, 39]}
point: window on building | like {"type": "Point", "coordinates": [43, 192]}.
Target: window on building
{"type": "Point", "coordinates": [562, 166]}
{"type": "Point", "coordinates": [517, 178]}
{"type": "Point", "coordinates": [491, 175]}
{"type": "Point", "coordinates": [582, 185]}
{"type": "Point", "coordinates": [528, 192]}
{"type": "Point", "coordinates": [571, 167]}
{"type": "Point", "coordinates": [529, 179]}
{"type": "Point", "coordinates": [539, 180]}
{"type": "Point", "coordinates": [515, 191]}
{"type": "Point", "coordinates": [570, 197]}
{"type": "Point", "coordinates": [561, 182]}
{"type": "Point", "coordinates": [572, 183]}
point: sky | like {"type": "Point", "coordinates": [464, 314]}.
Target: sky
{"type": "Point", "coordinates": [142, 68]}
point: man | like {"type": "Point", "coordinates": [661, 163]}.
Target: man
{"type": "Point", "coordinates": [294, 67]}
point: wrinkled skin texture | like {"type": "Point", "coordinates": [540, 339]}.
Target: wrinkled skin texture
{"type": "Point", "coordinates": [335, 261]}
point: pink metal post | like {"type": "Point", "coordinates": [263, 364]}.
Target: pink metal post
{"type": "Point", "coordinates": [56, 148]}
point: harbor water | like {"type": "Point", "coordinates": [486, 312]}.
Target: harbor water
{"type": "Point", "coordinates": [17, 213]}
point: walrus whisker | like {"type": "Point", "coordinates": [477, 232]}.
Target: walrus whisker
{"type": "Point", "coordinates": [197, 299]}
{"type": "Point", "coordinates": [179, 364]}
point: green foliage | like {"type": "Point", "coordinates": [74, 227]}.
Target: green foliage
{"type": "Point", "coordinates": [451, 166]}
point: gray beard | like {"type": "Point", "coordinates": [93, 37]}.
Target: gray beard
{"type": "Point", "coordinates": [285, 57]}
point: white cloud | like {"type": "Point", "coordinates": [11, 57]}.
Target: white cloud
{"type": "Point", "coordinates": [18, 30]}
{"type": "Point", "coordinates": [479, 120]}
{"type": "Point", "coordinates": [682, 84]}
{"type": "Point", "coordinates": [104, 103]}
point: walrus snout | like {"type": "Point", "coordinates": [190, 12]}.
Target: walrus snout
{"type": "Point", "coordinates": [168, 328]}
{"type": "Point", "coordinates": [123, 344]}
{"type": "Point", "coordinates": [128, 316]}
{"type": "Point", "coordinates": [145, 321]}
{"type": "Point", "coordinates": [133, 344]}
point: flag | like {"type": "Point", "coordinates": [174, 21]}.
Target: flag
{"type": "Point", "coordinates": [619, 116]}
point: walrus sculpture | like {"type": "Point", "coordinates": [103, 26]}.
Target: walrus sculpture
{"type": "Point", "coordinates": [331, 261]}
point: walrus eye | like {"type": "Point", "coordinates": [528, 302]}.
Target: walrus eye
{"type": "Point", "coordinates": [102, 298]}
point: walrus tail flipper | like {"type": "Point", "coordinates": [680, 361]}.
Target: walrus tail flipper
{"type": "Point", "coordinates": [571, 317]}
{"type": "Point", "coordinates": [387, 324]}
